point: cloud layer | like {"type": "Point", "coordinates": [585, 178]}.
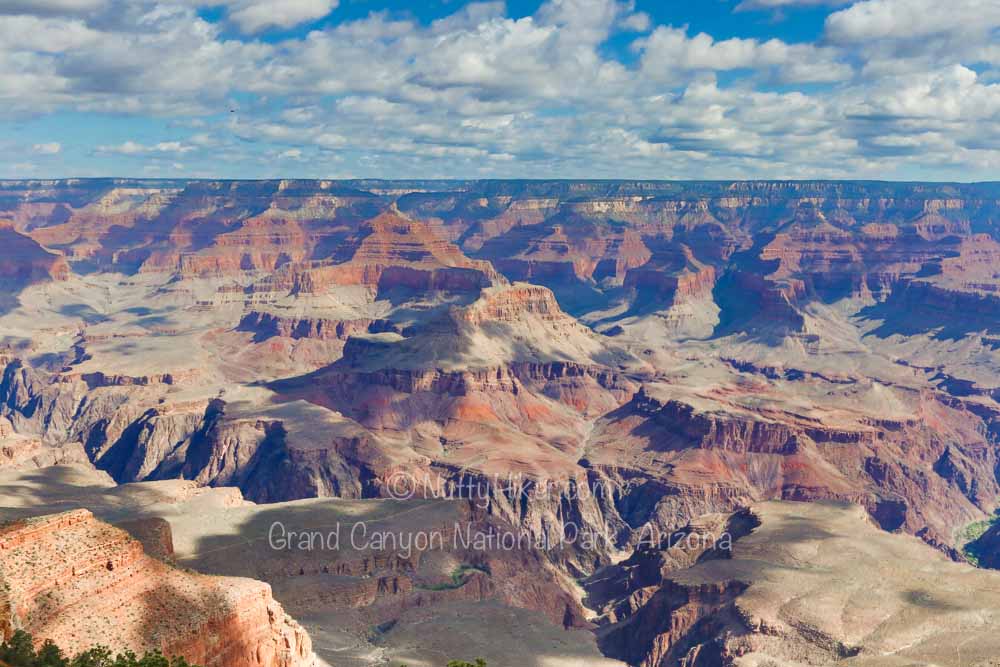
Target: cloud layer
{"type": "Point", "coordinates": [581, 88]}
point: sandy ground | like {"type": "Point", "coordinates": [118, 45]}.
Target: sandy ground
{"type": "Point", "coordinates": [821, 571]}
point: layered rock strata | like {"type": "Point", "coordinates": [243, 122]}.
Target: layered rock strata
{"type": "Point", "coordinates": [80, 582]}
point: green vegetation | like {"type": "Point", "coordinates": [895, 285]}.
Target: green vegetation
{"type": "Point", "coordinates": [967, 537]}
{"type": "Point", "coordinates": [19, 651]}
{"type": "Point", "coordinates": [458, 579]}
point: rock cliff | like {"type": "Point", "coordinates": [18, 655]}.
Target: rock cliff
{"type": "Point", "coordinates": [25, 261]}
{"type": "Point", "coordinates": [80, 582]}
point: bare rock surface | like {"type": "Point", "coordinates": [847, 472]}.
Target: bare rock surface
{"type": "Point", "coordinates": [80, 582]}
{"type": "Point", "coordinates": [812, 584]}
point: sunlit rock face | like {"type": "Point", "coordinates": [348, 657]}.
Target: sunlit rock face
{"type": "Point", "coordinates": [82, 583]}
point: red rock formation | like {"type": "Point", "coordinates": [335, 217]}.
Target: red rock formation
{"type": "Point", "coordinates": [511, 305]}
{"type": "Point", "coordinates": [266, 325]}
{"type": "Point", "coordinates": [80, 582]}
{"type": "Point", "coordinates": [567, 248]}
{"type": "Point", "coordinates": [390, 251]}
{"type": "Point", "coordinates": [24, 261]}
{"type": "Point", "coordinates": [674, 276]}
{"type": "Point", "coordinates": [368, 395]}
{"type": "Point", "coordinates": [478, 382]}
{"type": "Point", "coordinates": [718, 456]}
{"type": "Point", "coordinates": [405, 253]}
{"type": "Point", "coordinates": [154, 533]}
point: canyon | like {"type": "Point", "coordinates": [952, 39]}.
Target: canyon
{"type": "Point", "coordinates": [549, 359]}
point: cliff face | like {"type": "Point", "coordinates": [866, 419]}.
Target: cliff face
{"type": "Point", "coordinates": [717, 456]}
{"type": "Point", "coordinates": [19, 451]}
{"type": "Point", "coordinates": [80, 582]}
{"type": "Point", "coordinates": [267, 325]}
{"type": "Point", "coordinates": [567, 247]}
{"type": "Point", "coordinates": [25, 261]}
{"type": "Point", "coordinates": [836, 239]}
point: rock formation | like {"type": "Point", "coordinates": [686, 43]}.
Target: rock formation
{"type": "Point", "coordinates": [80, 582]}
{"type": "Point", "coordinates": [25, 261]}
{"type": "Point", "coordinates": [804, 587]}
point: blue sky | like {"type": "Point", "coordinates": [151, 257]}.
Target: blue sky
{"type": "Point", "coordinates": [894, 89]}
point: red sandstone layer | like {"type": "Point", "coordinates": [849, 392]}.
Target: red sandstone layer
{"type": "Point", "coordinates": [80, 582]}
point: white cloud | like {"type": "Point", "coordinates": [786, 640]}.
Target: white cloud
{"type": "Point", "coordinates": [256, 15]}
{"type": "Point", "coordinates": [911, 19]}
{"type": "Point", "coordinates": [45, 35]}
{"type": "Point", "coordinates": [50, 7]}
{"type": "Point", "coordinates": [889, 89]}
{"type": "Point", "coordinates": [896, 37]}
{"type": "Point", "coordinates": [50, 148]}
{"type": "Point", "coordinates": [136, 57]}
{"type": "Point", "coordinates": [301, 114]}
{"type": "Point", "coordinates": [331, 140]}
{"type": "Point", "coordinates": [669, 50]}
{"type": "Point", "coordinates": [134, 148]}
{"type": "Point", "coordinates": [637, 22]}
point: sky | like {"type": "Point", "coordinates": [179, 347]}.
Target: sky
{"type": "Point", "coordinates": [632, 89]}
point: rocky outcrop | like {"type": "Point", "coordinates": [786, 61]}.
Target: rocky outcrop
{"type": "Point", "coordinates": [956, 310]}
{"type": "Point", "coordinates": [566, 248]}
{"type": "Point", "coordinates": [686, 285]}
{"type": "Point", "coordinates": [81, 582]}
{"type": "Point", "coordinates": [17, 451]}
{"type": "Point", "coordinates": [38, 404]}
{"type": "Point", "coordinates": [99, 379]}
{"type": "Point", "coordinates": [267, 325]}
{"type": "Point", "coordinates": [25, 261]}
{"type": "Point", "coordinates": [717, 456]}
{"type": "Point", "coordinates": [390, 251]}
{"type": "Point", "coordinates": [154, 533]}
{"type": "Point", "coordinates": [511, 305]}
{"type": "Point", "coordinates": [357, 392]}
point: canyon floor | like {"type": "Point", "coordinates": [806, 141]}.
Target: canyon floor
{"type": "Point", "coordinates": [596, 367]}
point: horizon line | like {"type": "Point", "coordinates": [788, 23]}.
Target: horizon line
{"type": "Point", "coordinates": [355, 179]}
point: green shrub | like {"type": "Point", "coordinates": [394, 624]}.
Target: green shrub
{"type": "Point", "coordinates": [19, 651]}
